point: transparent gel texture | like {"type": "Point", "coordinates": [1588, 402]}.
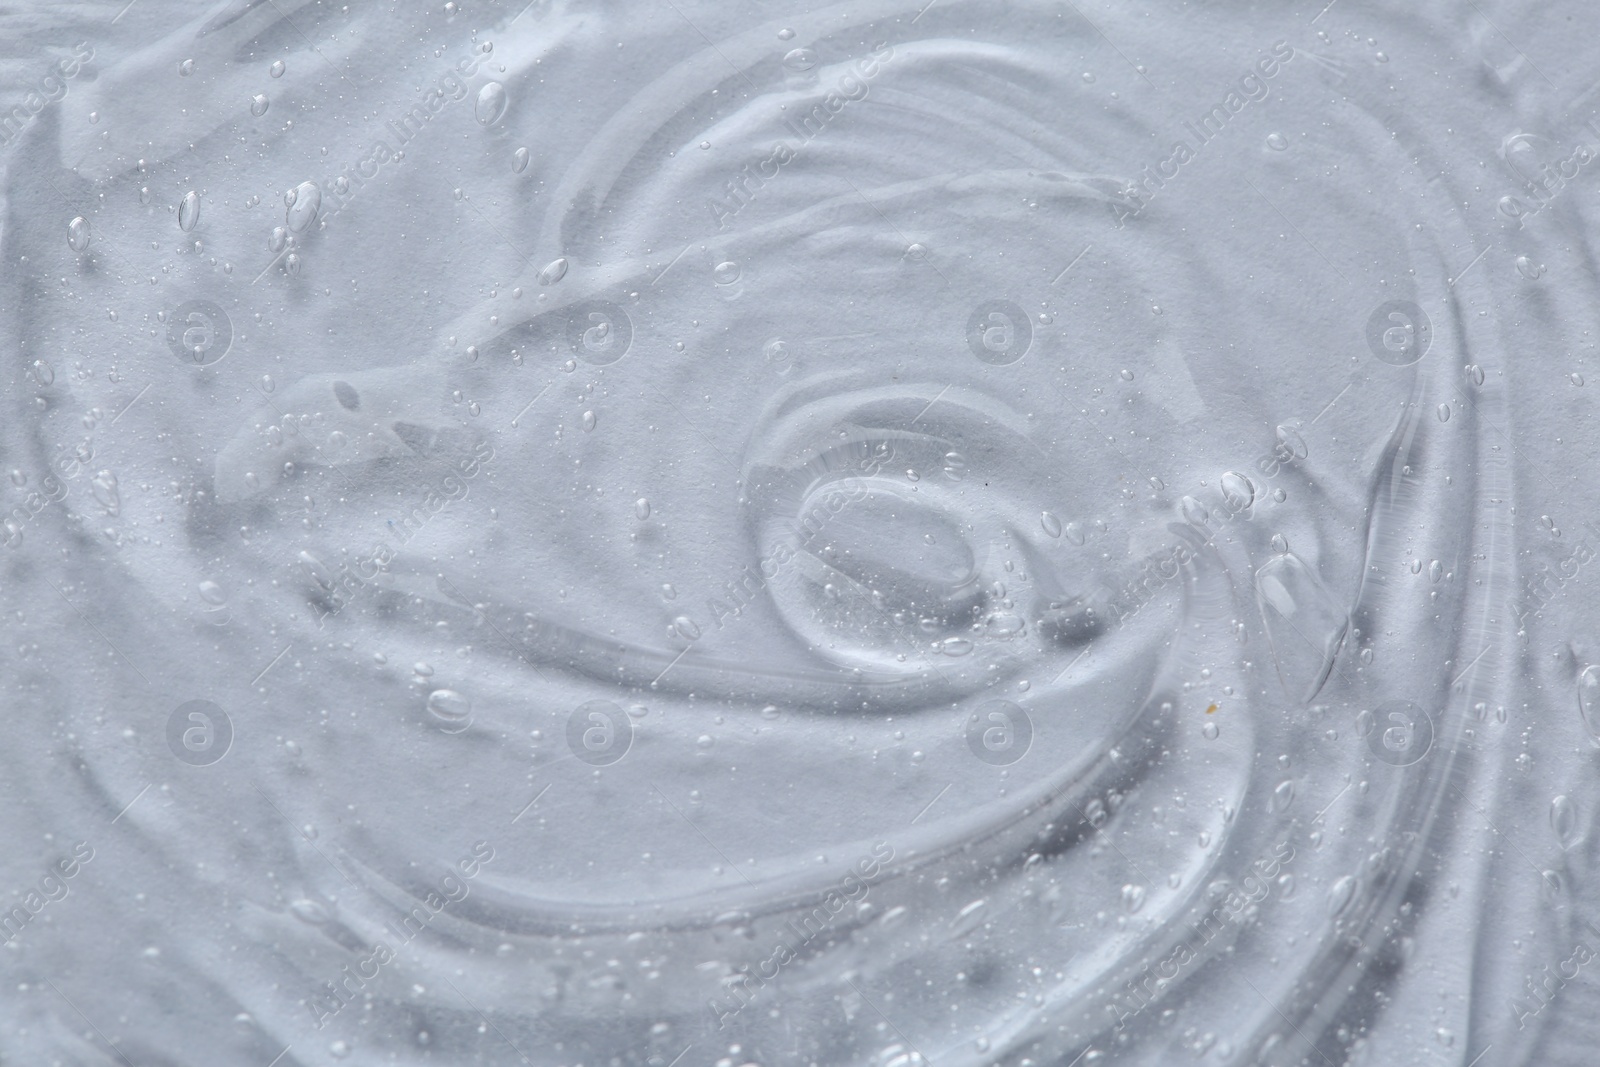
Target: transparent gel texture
{"type": "Point", "coordinates": [757, 533]}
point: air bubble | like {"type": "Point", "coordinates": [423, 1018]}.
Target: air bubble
{"type": "Point", "coordinates": [800, 60]}
{"type": "Point", "coordinates": [1564, 820]}
{"type": "Point", "coordinates": [1341, 895]}
{"type": "Point", "coordinates": [310, 911]}
{"type": "Point", "coordinates": [104, 487]}
{"type": "Point", "coordinates": [189, 211]}
{"type": "Point", "coordinates": [452, 712]}
{"type": "Point", "coordinates": [1237, 491]}
{"type": "Point", "coordinates": [491, 104]}
{"type": "Point", "coordinates": [554, 272]}
{"type": "Point", "coordinates": [1589, 700]}
{"type": "Point", "coordinates": [303, 205]}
